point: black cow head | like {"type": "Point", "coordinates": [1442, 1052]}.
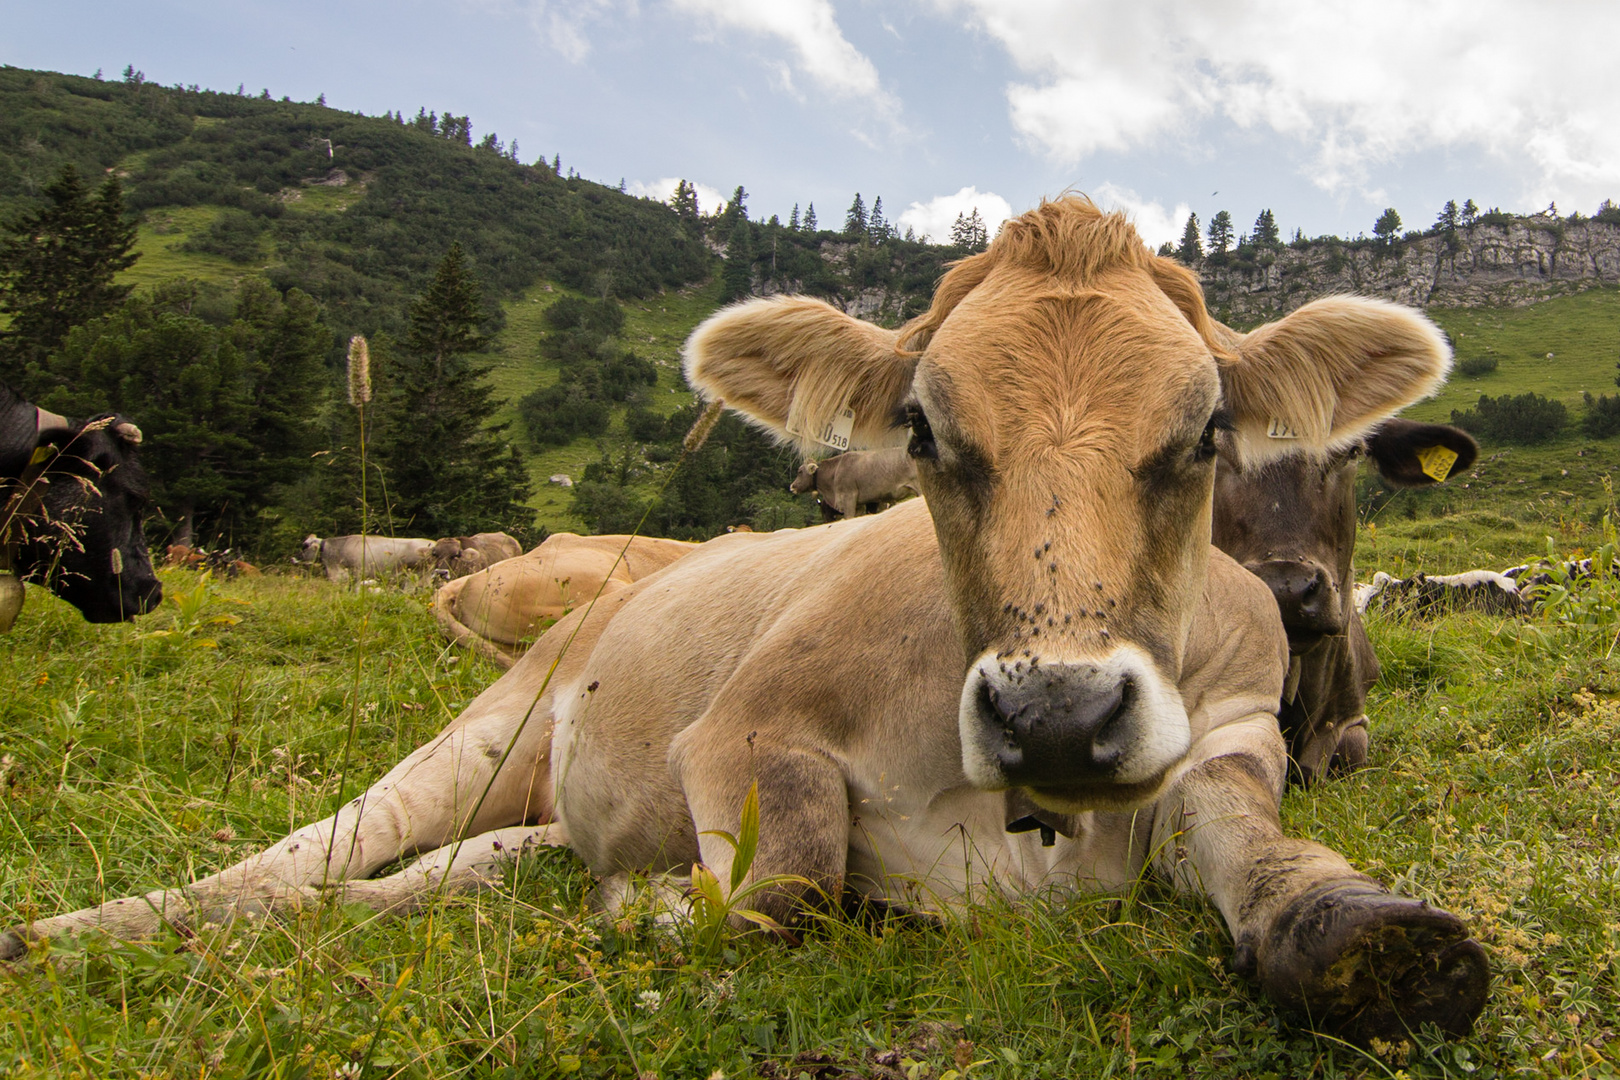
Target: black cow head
{"type": "Point", "coordinates": [1292, 520]}
{"type": "Point", "coordinates": [79, 530]}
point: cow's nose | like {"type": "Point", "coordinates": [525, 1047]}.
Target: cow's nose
{"type": "Point", "coordinates": [1306, 595]}
{"type": "Point", "coordinates": [1054, 724]}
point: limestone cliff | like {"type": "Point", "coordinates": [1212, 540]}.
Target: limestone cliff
{"type": "Point", "coordinates": [1515, 261]}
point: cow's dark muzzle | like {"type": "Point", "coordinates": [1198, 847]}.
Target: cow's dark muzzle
{"type": "Point", "coordinates": [1307, 596]}
{"type": "Point", "coordinates": [1054, 725]}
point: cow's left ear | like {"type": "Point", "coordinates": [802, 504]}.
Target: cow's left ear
{"type": "Point", "coordinates": [1324, 376]}
{"type": "Point", "coordinates": [1409, 454]}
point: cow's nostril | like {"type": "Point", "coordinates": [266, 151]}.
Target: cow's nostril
{"type": "Point", "coordinates": [1112, 736]}
{"type": "Point", "coordinates": [1313, 587]}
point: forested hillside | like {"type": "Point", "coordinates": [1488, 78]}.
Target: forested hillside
{"type": "Point", "coordinates": [344, 218]}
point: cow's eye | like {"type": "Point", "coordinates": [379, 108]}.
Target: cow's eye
{"type": "Point", "coordinates": [1205, 450]}
{"type": "Point", "coordinates": [922, 436]}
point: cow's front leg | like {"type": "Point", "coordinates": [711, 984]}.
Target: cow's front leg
{"type": "Point", "coordinates": [1320, 937]}
{"type": "Point", "coordinates": [803, 815]}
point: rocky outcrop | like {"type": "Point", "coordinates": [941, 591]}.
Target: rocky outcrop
{"type": "Point", "coordinates": [1514, 262]}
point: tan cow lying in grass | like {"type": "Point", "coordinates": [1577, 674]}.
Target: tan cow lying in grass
{"type": "Point", "coordinates": [499, 611]}
{"type": "Point", "coordinates": [1045, 641]}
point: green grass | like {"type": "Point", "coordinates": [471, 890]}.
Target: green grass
{"type": "Point", "coordinates": [130, 760]}
{"type": "Point", "coordinates": [1582, 332]}
{"type": "Point", "coordinates": [655, 328]}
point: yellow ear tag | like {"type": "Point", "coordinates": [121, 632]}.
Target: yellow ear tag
{"type": "Point", "coordinates": [42, 453]}
{"type": "Point", "coordinates": [1436, 461]}
{"type": "Point", "coordinates": [1281, 429]}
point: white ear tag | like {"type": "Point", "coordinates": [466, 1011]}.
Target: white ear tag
{"type": "Point", "coordinates": [1280, 429]}
{"type": "Point", "coordinates": [837, 431]}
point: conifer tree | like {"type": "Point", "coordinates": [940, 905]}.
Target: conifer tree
{"type": "Point", "coordinates": [57, 269]}
{"type": "Point", "coordinates": [737, 276]}
{"type": "Point", "coordinates": [1191, 251]}
{"type": "Point", "coordinates": [1388, 226]}
{"type": "Point", "coordinates": [876, 227]}
{"type": "Point", "coordinates": [450, 471]}
{"type": "Point", "coordinates": [1470, 212]}
{"type": "Point", "coordinates": [855, 218]}
{"type": "Point", "coordinates": [810, 218]}
{"type": "Point", "coordinates": [1265, 231]}
{"type": "Point", "coordinates": [793, 218]}
{"type": "Point", "coordinates": [1449, 218]}
{"type": "Point", "coordinates": [1220, 233]}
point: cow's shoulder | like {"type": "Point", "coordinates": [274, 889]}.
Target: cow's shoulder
{"type": "Point", "coordinates": [1237, 651]}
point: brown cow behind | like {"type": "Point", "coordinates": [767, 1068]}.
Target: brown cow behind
{"type": "Point", "coordinates": [1292, 522]}
{"type": "Point", "coordinates": [497, 612]}
{"type": "Point", "coordinates": [459, 556]}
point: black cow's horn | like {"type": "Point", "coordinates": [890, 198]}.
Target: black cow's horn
{"type": "Point", "coordinates": [49, 423]}
{"type": "Point", "coordinates": [128, 432]}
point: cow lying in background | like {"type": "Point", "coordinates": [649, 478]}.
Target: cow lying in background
{"type": "Point", "coordinates": [1428, 594]}
{"type": "Point", "coordinates": [459, 556]}
{"type": "Point", "coordinates": [366, 556]}
{"type": "Point", "coordinates": [71, 515]}
{"type": "Point", "coordinates": [845, 483]}
{"type": "Point", "coordinates": [1291, 521]}
{"type": "Point", "coordinates": [499, 611]}
{"type": "Point", "coordinates": [1048, 638]}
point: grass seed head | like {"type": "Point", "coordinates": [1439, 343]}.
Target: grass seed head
{"type": "Point", "coordinates": [359, 371]}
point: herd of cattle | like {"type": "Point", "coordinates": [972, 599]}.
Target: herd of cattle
{"type": "Point", "coordinates": [1064, 664]}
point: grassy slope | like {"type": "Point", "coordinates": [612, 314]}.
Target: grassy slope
{"type": "Point", "coordinates": [655, 328]}
{"type": "Point", "coordinates": [1490, 792]}
{"type": "Point", "coordinates": [1516, 496]}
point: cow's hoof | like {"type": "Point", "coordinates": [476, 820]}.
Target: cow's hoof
{"type": "Point", "coordinates": [1363, 963]}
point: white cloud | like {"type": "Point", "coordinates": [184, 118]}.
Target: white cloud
{"type": "Point", "coordinates": [1154, 224]}
{"type": "Point", "coordinates": [562, 24]}
{"type": "Point", "coordinates": [1358, 85]}
{"type": "Point", "coordinates": [663, 189]}
{"type": "Point", "coordinates": [820, 50]}
{"type": "Point", "coordinates": [934, 218]}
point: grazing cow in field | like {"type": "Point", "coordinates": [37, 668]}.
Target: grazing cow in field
{"type": "Point", "coordinates": [846, 482]}
{"type": "Point", "coordinates": [1038, 676]}
{"type": "Point", "coordinates": [367, 556]}
{"type": "Point", "coordinates": [499, 611]}
{"type": "Point", "coordinates": [1292, 522]}
{"type": "Point", "coordinates": [71, 514]}
{"type": "Point", "coordinates": [459, 556]}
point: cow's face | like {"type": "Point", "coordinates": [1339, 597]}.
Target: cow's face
{"type": "Point", "coordinates": [1292, 520]}
{"type": "Point", "coordinates": [806, 478]}
{"type": "Point", "coordinates": [310, 552]}
{"type": "Point", "coordinates": [445, 553]}
{"type": "Point", "coordinates": [90, 549]}
{"type": "Point", "coordinates": [1063, 398]}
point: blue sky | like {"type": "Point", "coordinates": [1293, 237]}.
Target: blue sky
{"type": "Point", "coordinates": [1324, 113]}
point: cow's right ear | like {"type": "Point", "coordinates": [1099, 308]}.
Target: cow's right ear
{"type": "Point", "coordinates": [792, 365]}
{"type": "Point", "coordinates": [1409, 454]}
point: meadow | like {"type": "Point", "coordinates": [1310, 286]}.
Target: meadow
{"type": "Point", "coordinates": [142, 755]}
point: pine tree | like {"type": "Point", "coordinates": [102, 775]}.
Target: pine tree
{"type": "Point", "coordinates": [1265, 231]}
{"type": "Point", "coordinates": [810, 218]}
{"type": "Point", "coordinates": [1469, 213]}
{"type": "Point", "coordinates": [686, 205]}
{"type": "Point", "coordinates": [57, 269]}
{"type": "Point", "coordinates": [449, 470]}
{"type": "Point", "coordinates": [1448, 220]}
{"type": "Point", "coordinates": [737, 276]}
{"type": "Point", "coordinates": [855, 218]}
{"type": "Point", "coordinates": [876, 227]}
{"type": "Point", "coordinates": [793, 218]}
{"type": "Point", "coordinates": [1388, 226]}
{"type": "Point", "coordinates": [968, 231]}
{"type": "Point", "coordinates": [1220, 233]}
{"type": "Point", "coordinates": [1191, 251]}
